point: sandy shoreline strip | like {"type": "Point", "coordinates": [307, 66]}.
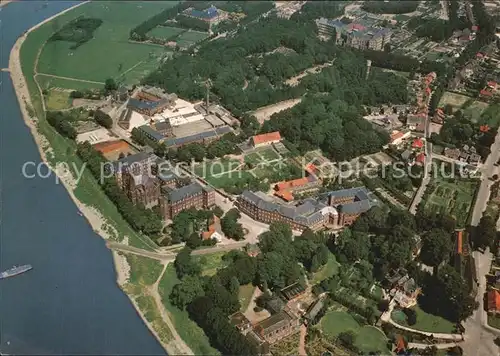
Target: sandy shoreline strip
{"type": "Point", "coordinates": [5, 2]}
{"type": "Point", "coordinates": [95, 219]}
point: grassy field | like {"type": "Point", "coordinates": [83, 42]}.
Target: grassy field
{"type": "Point", "coordinates": [210, 263]}
{"type": "Point", "coordinates": [188, 330]}
{"type": "Point", "coordinates": [189, 38]}
{"type": "Point", "coordinates": [451, 197]}
{"type": "Point", "coordinates": [63, 150]}
{"type": "Point", "coordinates": [490, 115]}
{"type": "Point", "coordinates": [475, 110]}
{"type": "Point", "coordinates": [110, 49]}
{"type": "Point", "coordinates": [57, 100]}
{"type": "Point", "coordinates": [51, 82]}
{"type": "Point", "coordinates": [331, 268]}
{"type": "Point", "coordinates": [455, 100]}
{"type": "Point", "coordinates": [143, 273]}
{"type": "Point", "coordinates": [494, 321]}
{"type": "Point", "coordinates": [165, 32]}
{"type": "Point", "coordinates": [368, 338]}
{"type": "Point", "coordinates": [425, 322]}
{"type": "Point", "coordinates": [245, 295]}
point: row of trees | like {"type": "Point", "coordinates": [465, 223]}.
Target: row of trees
{"type": "Point", "coordinates": [60, 122]}
{"type": "Point", "coordinates": [141, 219]}
{"type": "Point", "coordinates": [191, 23]}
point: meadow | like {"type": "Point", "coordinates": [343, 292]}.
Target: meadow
{"type": "Point", "coordinates": [109, 54]}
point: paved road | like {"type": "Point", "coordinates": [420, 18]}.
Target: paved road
{"type": "Point", "coordinates": [488, 169]}
{"type": "Point", "coordinates": [479, 337]}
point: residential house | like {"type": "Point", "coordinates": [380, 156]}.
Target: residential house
{"type": "Point", "coordinates": [214, 230]}
{"type": "Point", "coordinates": [493, 306]}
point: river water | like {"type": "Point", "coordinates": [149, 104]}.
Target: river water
{"type": "Point", "coordinates": [69, 303]}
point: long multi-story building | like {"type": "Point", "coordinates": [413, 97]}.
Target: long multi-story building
{"type": "Point", "coordinates": [173, 201]}
{"type": "Point", "coordinates": [311, 214]}
{"type": "Point", "coordinates": [355, 34]}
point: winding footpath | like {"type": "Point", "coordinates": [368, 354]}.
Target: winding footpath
{"type": "Point", "coordinates": [180, 345]}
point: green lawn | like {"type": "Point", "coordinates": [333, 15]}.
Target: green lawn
{"type": "Point", "coordinates": [210, 263]}
{"type": "Point", "coordinates": [165, 32]}
{"type": "Point", "coordinates": [331, 268]}
{"type": "Point", "coordinates": [110, 49]}
{"type": "Point", "coordinates": [245, 295]}
{"type": "Point", "coordinates": [143, 273]}
{"type": "Point", "coordinates": [455, 100]}
{"type": "Point", "coordinates": [367, 339]}
{"type": "Point", "coordinates": [425, 321]}
{"type": "Point", "coordinates": [189, 38]}
{"type": "Point", "coordinates": [475, 110]}
{"type": "Point", "coordinates": [188, 330]}
{"type": "Point", "coordinates": [335, 322]}
{"type": "Point", "coordinates": [269, 154]}
{"type": "Point", "coordinates": [253, 158]}
{"type": "Point", "coordinates": [51, 82]}
{"type": "Point", "coordinates": [494, 321]}
{"type": "Point", "coordinates": [143, 270]}
{"type": "Point", "coordinates": [490, 115]}
{"type": "Point", "coordinates": [57, 100]}
{"type": "Point", "coordinates": [371, 339]}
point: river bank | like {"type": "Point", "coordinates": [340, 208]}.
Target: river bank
{"type": "Point", "coordinates": [5, 2]}
{"type": "Point", "coordinates": [91, 214]}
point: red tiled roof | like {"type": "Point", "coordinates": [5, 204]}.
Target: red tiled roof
{"type": "Point", "coordinates": [417, 143]}
{"type": "Point", "coordinates": [492, 84]}
{"type": "Point", "coordinates": [285, 194]}
{"type": "Point", "coordinates": [475, 28]}
{"type": "Point", "coordinates": [479, 55]}
{"type": "Point", "coordinates": [484, 128]}
{"type": "Point", "coordinates": [396, 135]}
{"type": "Point", "coordinates": [211, 229]}
{"type": "Point", "coordinates": [268, 137]}
{"type": "Point", "coordinates": [292, 183]}
{"type": "Point", "coordinates": [486, 92]}
{"type": "Point", "coordinates": [420, 158]}
{"type": "Point", "coordinates": [459, 242]}
{"type": "Point", "coordinates": [494, 300]}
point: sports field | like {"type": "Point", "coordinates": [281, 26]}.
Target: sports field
{"type": "Point", "coordinates": [165, 32]}
{"type": "Point", "coordinates": [189, 38]}
{"type": "Point", "coordinates": [367, 338]}
{"type": "Point", "coordinates": [453, 197]}
{"type": "Point", "coordinates": [109, 54]}
{"type": "Point", "coordinates": [455, 100]}
{"type": "Point", "coordinates": [490, 115]}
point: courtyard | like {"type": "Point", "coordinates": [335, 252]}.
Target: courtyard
{"type": "Point", "coordinates": [260, 166]}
